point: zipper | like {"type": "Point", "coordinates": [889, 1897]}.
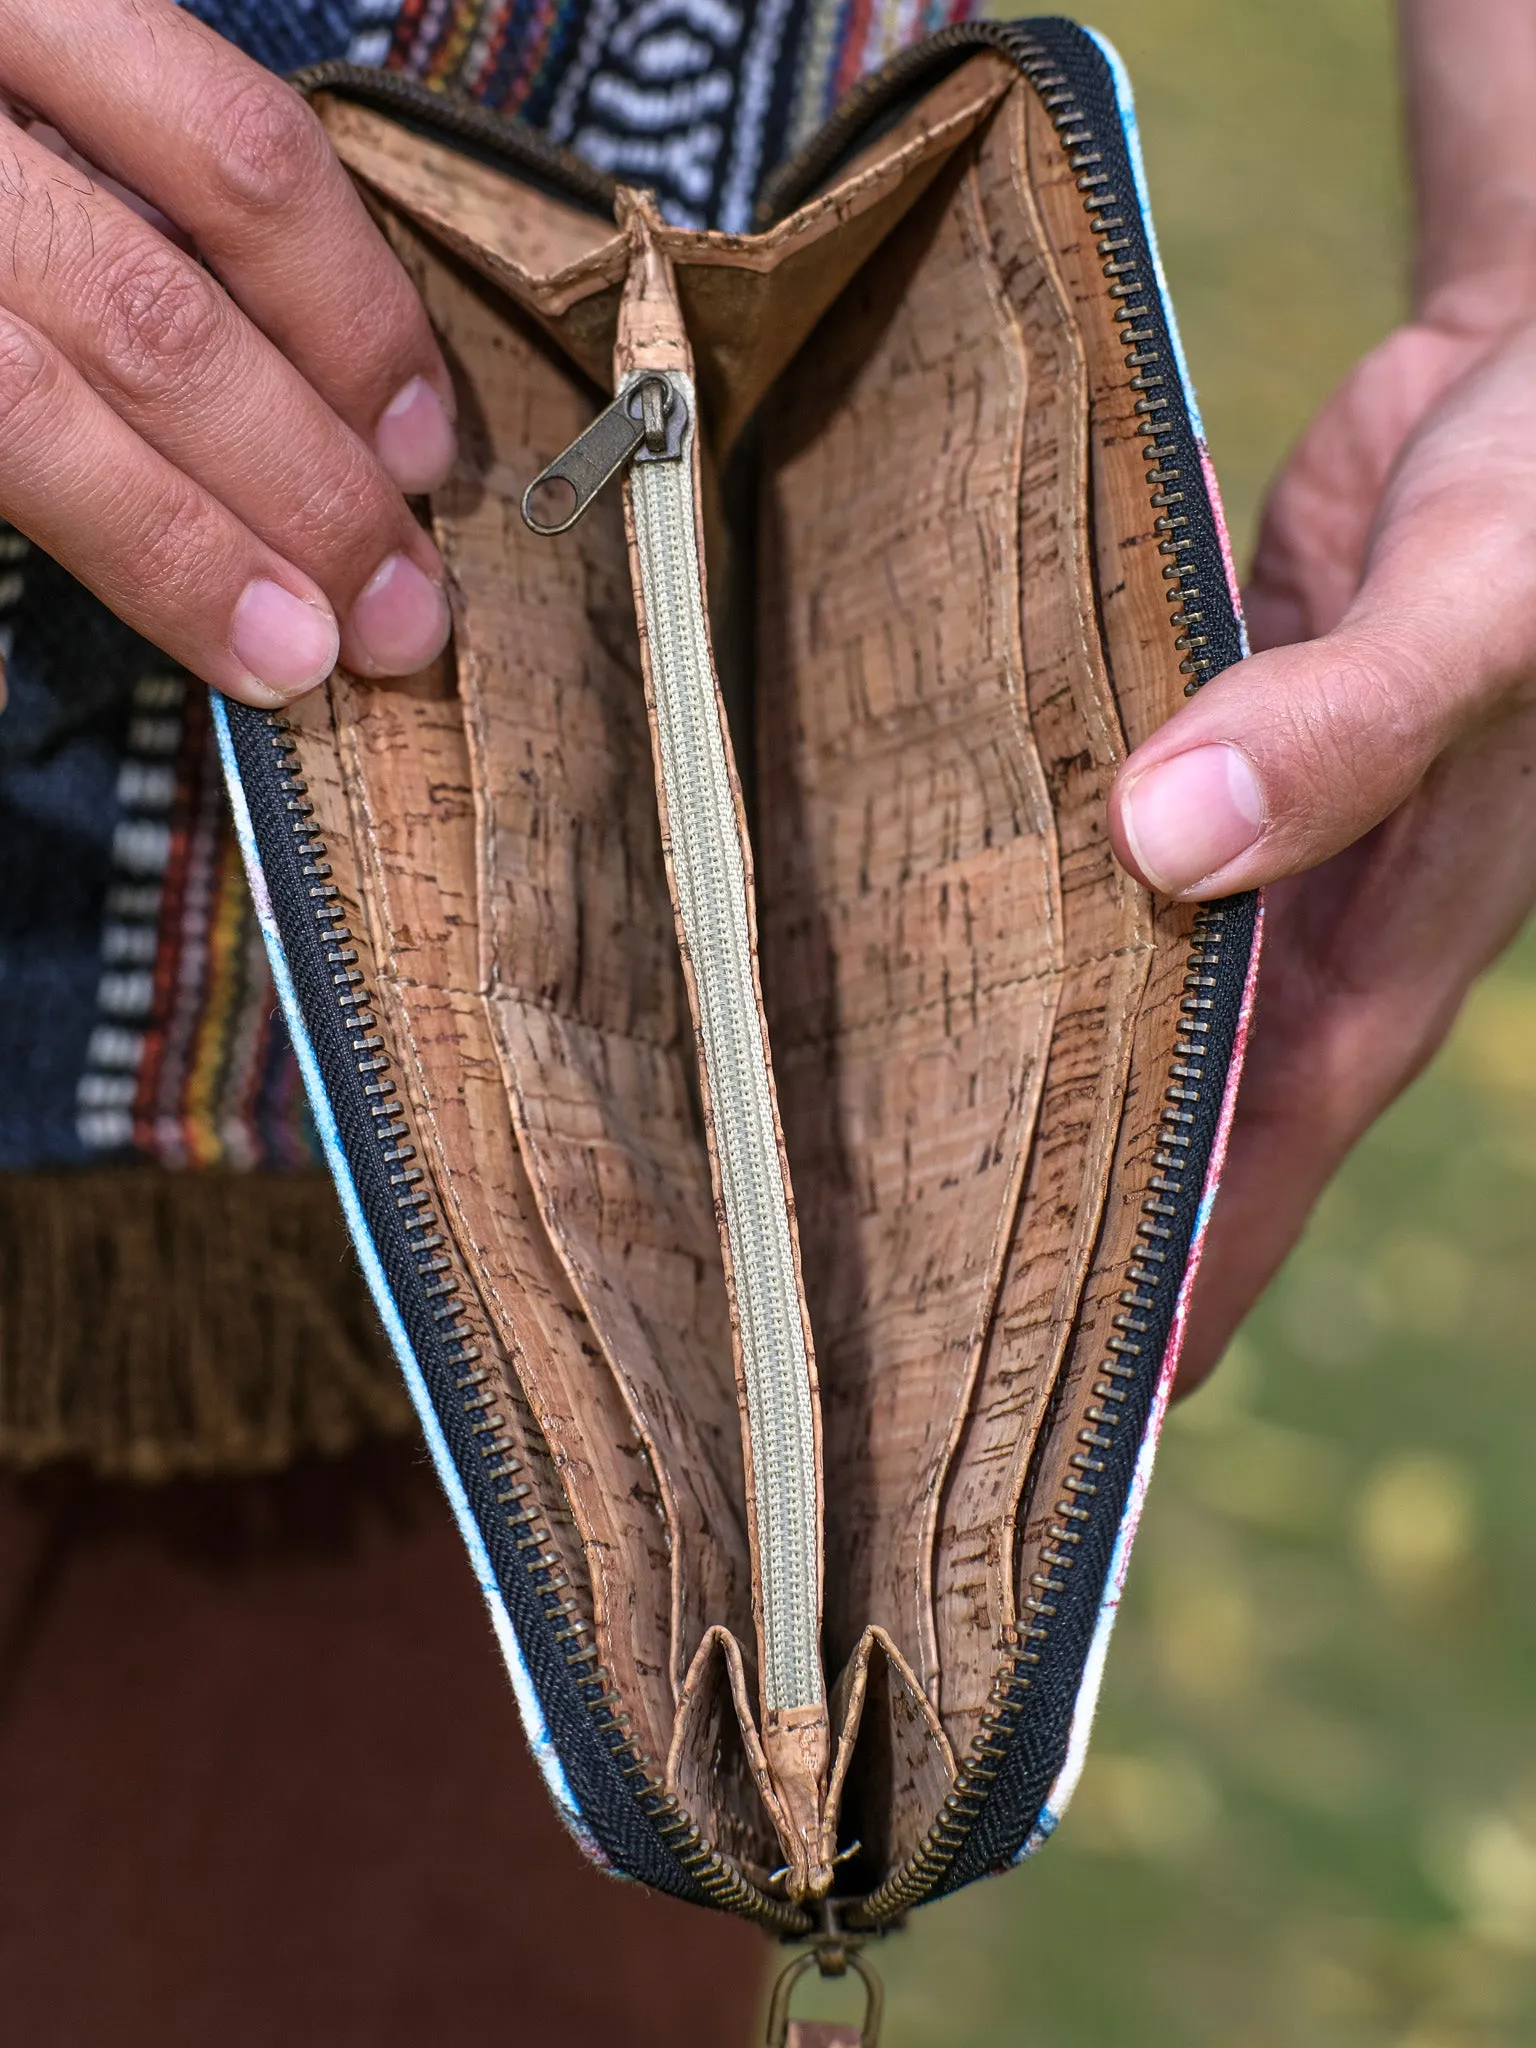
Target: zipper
{"type": "Point", "coordinates": [650, 427]}
{"type": "Point", "coordinates": [500, 139]}
{"type": "Point", "coordinates": [450, 1298]}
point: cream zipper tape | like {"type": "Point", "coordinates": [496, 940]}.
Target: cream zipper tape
{"type": "Point", "coordinates": [650, 427]}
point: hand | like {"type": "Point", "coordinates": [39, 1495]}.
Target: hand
{"type": "Point", "coordinates": [1378, 774]}
{"type": "Point", "coordinates": [219, 453]}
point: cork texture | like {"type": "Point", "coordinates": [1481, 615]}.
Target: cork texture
{"type": "Point", "coordinates": [959, 630]}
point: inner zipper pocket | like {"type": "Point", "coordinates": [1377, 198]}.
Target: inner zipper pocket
{"type": "Point", "coordinates": [649, 431]}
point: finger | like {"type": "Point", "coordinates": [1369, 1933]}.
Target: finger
{"type": "Point", "coordinates": [161, 551]}
{"type": "Point", "coordinates": [59, 146]}
{"type": "Point", "coordinates": [1292, 755]}
{"type": "Point", "coordinates": [167, 349]}
{"type": "Point", "coordinates": [238, 161]}
{"type": "Point", "coordinates": [1366, 963]}
{"type": "Point", "coordinates": [1317, 522]}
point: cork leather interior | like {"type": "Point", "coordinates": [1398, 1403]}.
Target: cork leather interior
{"type": "Point", "coordinates": [939, 602]}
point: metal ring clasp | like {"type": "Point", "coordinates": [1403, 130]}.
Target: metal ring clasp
{"type": "Point", "coordinates": [833, 1956]}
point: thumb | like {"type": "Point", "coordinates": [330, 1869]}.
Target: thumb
{"type": "Point", "coordinates": [1293, 754]}
{"type": "Point", "coordinates": [1278, 764]}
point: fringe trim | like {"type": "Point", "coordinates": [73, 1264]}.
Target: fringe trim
{"type": "Point", "coordinates": [161, 1325]}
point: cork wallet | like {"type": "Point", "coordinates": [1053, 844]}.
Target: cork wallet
{"type": "Point", "coordinates": [777, 1133]}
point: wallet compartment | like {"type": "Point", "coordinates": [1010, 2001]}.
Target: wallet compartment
{"type": "Point", "coordinates": [982, 551]}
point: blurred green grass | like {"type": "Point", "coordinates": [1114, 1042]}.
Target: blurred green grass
{"type": "Point", "coordinates": [1310, 1812]}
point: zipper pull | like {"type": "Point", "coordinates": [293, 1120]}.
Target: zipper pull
{"type": "Point", "coordinates": [834, 1952]}
{"type": "Point", "coordinates": [644, 424]}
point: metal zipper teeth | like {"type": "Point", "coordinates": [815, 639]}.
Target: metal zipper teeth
{"type": "Point", "coordinates": [795, 182]}
{"type": "Point", "coordinates": [1151, 1272]}
{"type": "Point", "coordinates": [712, 896]}
{"type": "Point", "coordinates": [436, 1260]}
{"type": "Point", "coordinates": [459, 119]}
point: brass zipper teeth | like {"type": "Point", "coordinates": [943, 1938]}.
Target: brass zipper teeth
{"type": "Point", "coordinates": [1129, 291]}
{"type": "Point", "coordinates": [1150, 1269]}
{"type": "Point", "coordinates": [504, 137]}
{"type": "Point", "coordinates": [444, 1284]}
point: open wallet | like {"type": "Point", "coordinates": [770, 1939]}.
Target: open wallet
{"type": "Point", "coordinates": [777, 1133]}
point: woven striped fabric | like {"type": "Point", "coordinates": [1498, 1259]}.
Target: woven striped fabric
{"type": "Point", "coordinates": [137, 1020]}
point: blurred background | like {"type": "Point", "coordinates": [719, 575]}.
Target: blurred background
{"type": "Point", "coordinates": [1310, 1812]}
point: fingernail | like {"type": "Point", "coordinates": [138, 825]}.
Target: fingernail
{"type": "Point", "coordinates": [1188, 817]}
{"type": "Point", "coordinates": [401, 620]}
{"type": "Point", "coordinates": [283, 641]}
{"type": "Point", "coordinates": [415, 440]}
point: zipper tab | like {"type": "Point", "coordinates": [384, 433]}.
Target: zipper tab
{"type": "Point", "coordinates": [645, 423]}
{"type": "Point", "coordinates": [834, 1952]}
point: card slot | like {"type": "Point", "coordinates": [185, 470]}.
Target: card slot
{"type": "Point", "coordinates": [386, 772]}
{"type": "Point", "coordinates": [609, 1132]}
{"type": "Point", "coordinates": [717, 1765]}
{"type": "Point", "coordinates": [1141, 1023]}
{"type": "Point", "coordinates": [562, 265]}
{"type": "Point", "coordinates": [909, 849]}
{"type": "Point", "coordinates": [576, 954]}
{"type": "Point", "coordinates": [1107, 938]}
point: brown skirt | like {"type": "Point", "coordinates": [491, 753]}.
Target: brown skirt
{"type": "Point", "coordinates": [261, 1781]}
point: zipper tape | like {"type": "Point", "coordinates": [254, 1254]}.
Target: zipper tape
{"type": "Point", "coordinates": [715, 916]}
